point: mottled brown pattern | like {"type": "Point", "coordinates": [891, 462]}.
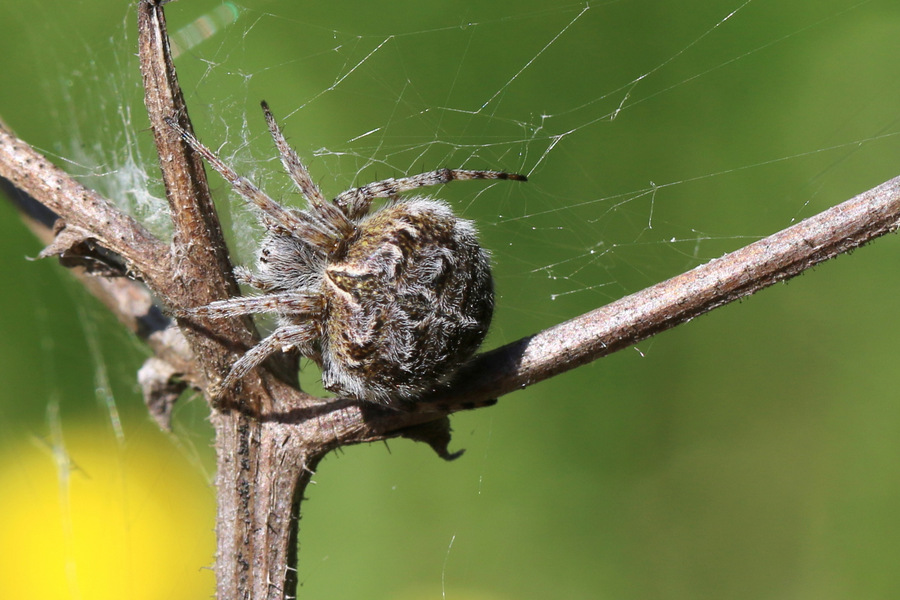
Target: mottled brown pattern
{"type": "Point", "coordinates": [389, 304]}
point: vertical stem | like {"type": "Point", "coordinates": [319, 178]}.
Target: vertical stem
{"type": "Point", "coordinates": [198, 241]}
{"type": "Point", "coordinates": [260, 485]}
{"type": "Point", "coordinates": [261, 470]}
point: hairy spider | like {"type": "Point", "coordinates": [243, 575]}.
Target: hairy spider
{"type": "Point", "coordinates": [389, 305]}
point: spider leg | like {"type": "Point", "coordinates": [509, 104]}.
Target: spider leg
{"type": "Point", "coordinates": [301, 178]}
{"type": "Point", "coordinates": [355, 202]}
{"type": "Point", "coordinates": [289, 303]}
{"type": "Point", "coordinates": [246, 277]}
{"type": "Point", "coordinates": [275, 217]}
{"type": "Point", "coordinates": [283, 338]}
{"type": "Point", "coordinates": [292, 163]}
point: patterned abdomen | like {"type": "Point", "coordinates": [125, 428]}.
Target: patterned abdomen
{"type": "Point", "coordinates": [413, 299]}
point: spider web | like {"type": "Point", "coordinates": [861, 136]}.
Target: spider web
{"type": "Point", "coordinates": [655, 136]}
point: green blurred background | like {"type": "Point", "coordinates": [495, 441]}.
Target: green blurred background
{"type": "Point", "coordinates": [752, 453]}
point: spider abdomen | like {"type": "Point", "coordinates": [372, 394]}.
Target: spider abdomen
{"type": "Point", "coordinates": [409, 302]}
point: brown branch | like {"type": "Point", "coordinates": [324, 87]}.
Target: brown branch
{"type": "Point", "coordinates": [261, 466]}
{"type": "Point", "coordinates": [198, 244]}
{"type": "Point", "coordinates": [625, 322]}
{"type": "Point", "coordinates": [128, 299]}
{"type": "Point", "coordinates": [202, 270]}
{"type": "Point", "coordinates": [82, 209]}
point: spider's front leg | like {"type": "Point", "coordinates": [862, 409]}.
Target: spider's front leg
{"type": "Point", "coordinates": [331, 217]}
{"type": "Point", "coordinates": [355, 202]}
{"type": "Point", "coordinates": [290, 305]}
{"type": "Point", "coordinates": [245, 276]}
{"type": "Point", "coordinates": [285, 338]}
{"type": "Point", "coordinates": [275, 217]}
{"type": "Point", "coordinates": [294, 303]}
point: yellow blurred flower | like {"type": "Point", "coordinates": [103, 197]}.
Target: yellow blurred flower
{"type": "Point", "coordinates": [95, 519]}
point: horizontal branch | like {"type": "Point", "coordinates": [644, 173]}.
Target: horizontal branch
{"type": "Point", "coordinates": [665, 305]}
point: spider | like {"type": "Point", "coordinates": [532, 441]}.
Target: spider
{"type": "Point", "coordinates": [388, 304]}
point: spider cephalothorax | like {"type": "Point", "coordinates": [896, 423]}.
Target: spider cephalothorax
{"type": "Point", "coordinates": [389, 304]}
